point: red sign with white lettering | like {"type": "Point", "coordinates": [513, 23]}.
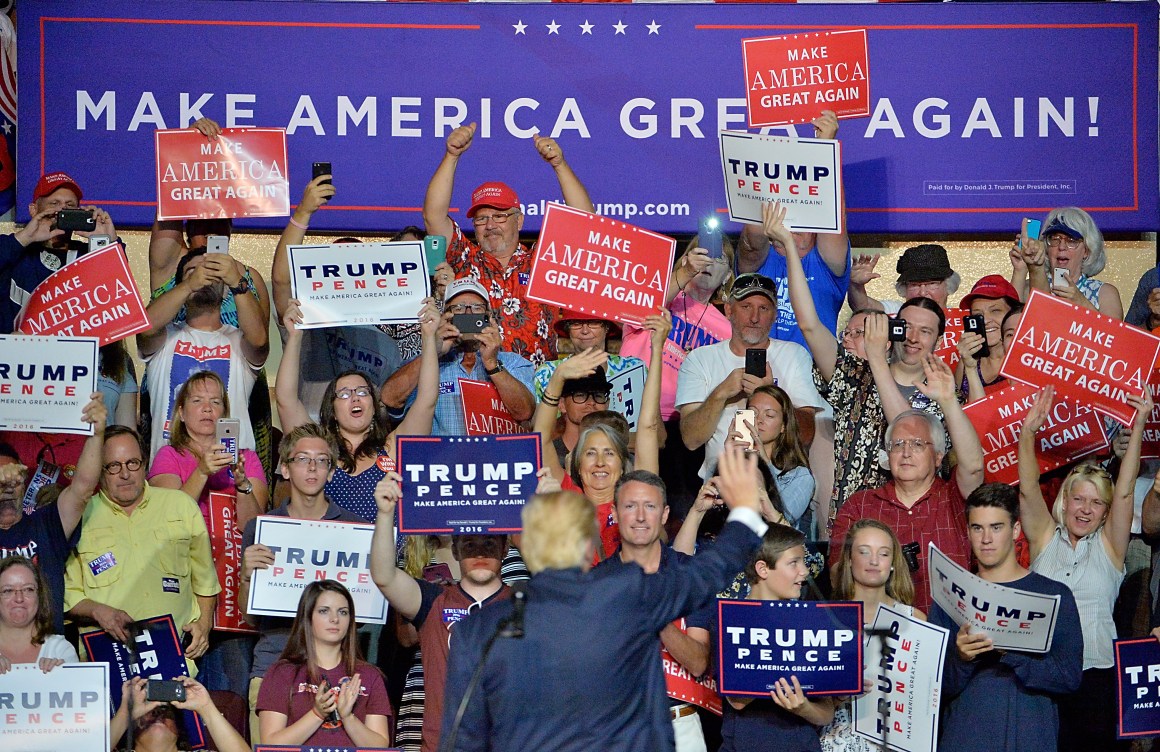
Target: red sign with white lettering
{"type": "Point", "coordinates": [1072, 430]}
{"type": "Point", "coordinates": [792, 78]}
{"type": "Point", "coordinates": [241, 173]}
{"type": "Point", "coordinates": [1086, 355]}
{"type": "Point", "coordinates": [1150, 448]}
{"type": "Point", "coordinates": [948, 345]}
{"type": "Point", "coordinates": [483, 411]}
{"type": "Point", "coordinates": [225, 542]}
{"type": "Point", "coordinates": [94, 296]}
{"type": "Point", "coordinates": [683, 686]}
{"type": "Point", "coordinates": [595, 265]}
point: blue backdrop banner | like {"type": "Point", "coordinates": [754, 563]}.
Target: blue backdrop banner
{"type": "Point", "coordinates": [981, 113]}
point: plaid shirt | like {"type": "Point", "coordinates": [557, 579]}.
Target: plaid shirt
{"type": "Point", "coordinates": [938, 517]}
{"type": "Point", "coordinates": [526, 325]}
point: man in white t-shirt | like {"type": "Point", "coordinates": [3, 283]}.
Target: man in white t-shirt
{"type": "Point", "coordinates": [174, 351]}
{"type": "Point", "coordinates": [713, 384]}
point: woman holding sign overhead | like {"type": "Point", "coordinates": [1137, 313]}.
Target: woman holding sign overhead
{"type": "Point", "coordinates": [352, 413]}
{"type": "Point", "coordinates": [1082, 543]}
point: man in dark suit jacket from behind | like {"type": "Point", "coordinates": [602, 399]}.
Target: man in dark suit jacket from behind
{"type": "Point", "coordinates": [587, 674]}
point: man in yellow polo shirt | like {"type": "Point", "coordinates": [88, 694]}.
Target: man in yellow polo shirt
{"type": "Point", "coordinates": [143, 552]}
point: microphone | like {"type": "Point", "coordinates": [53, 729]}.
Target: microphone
{"type": "Point", "coordinates": [515, 623]}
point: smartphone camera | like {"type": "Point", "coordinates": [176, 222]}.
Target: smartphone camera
{"type": "Point", "coordinates": [75, 219]}
{"type": "Point", "coordinates": [469, 323]}
{"type": "Point", "coordinates": [164, 690]}
{"type": "Point", "coordinates": [977, 324]}
{"type": "Point", "coordinates": [910, 554]}
{"type": "Point", "coordinates": [710, 237]}
{"type": "Point", "coordinates": [897, 331]}
{"type": "Point", "coordinates": [322, 168]}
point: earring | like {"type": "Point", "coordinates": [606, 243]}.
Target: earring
{"type": "Point", "coordinates": [892, 570]}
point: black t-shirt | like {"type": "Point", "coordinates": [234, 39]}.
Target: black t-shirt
{"type": "Point", "coordinates": [40, 536]}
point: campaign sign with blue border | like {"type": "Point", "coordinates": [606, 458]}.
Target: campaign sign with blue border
{"type": "Point", "coordinates": [159, 655]}
{"type": "Point", "coordinates": [466, 484]}
{"type": "Point", "coordinates": [759, 642]}
{"type": "Point", "coordinates": [1137, 687]}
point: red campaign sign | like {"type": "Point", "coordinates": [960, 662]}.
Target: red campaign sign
{"type": "Point", "coordinates": [1086, 355]}
{"type": "Point", "coordinates": [1072, 430]}
{"type": "Point", "coordinates": [1150, 449]}
{"type": "Point", "coordinates": [225, 541]}
{"type": "Point", "coordinates": [681, 685]}
{"type": "Point", "coordinates": [594, 265]}
{"type": "Point", "coordinates": [94, 296]}
{"type": "Point", "coordinates": [484, 411]}
{"type": "Point", "coordinates": [243, 173]}
{"type": "Point", "coordinates": [948, 346]}
{"type": "Point", "coordinates": [792, 78]}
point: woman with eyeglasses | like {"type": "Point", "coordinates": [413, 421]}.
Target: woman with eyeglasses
{"type": "Point", "coordinates": [1064, 261]}
{"type": "Point", "coordinates": [585, 332]}
{"type": "Point", "coordinates": [1083, 542]}
{"type": "Point", "coordinates": [197, 463]}
{"type": "Point", "coordinates": [26, 619]}
{"type": "Point", "coordinates": [320, 693]}
{"type": "Point", "coordinates": [352, 413]}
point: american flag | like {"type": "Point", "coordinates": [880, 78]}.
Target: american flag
{"type": "Point", "coordinates": [7, 115]}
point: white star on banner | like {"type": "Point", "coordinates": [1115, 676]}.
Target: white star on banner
{"type": "Point", "coordinates": [519, 26]}
{"type": "Point", "coordinates": [586, 28]}
{"type": "Point", "coordinates": [654, 28]}
{"type": "Point", "coordinates": [554, 28]}
{"type": "Point", "coordinates": [620, 26]}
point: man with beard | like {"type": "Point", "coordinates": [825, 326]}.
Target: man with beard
{"type": "Point", "coordinates": [434, 609]}
{"type": "Point", "coordinates": [173, 350]}
{"type": "Point", "coordinates": [713, 384]}
{"type": "Point", "coordinates": [497, 258]}
{"type": "Point", "coordinates": [467, 356]}
{"type": "Point", "coordinates": [48, 533]}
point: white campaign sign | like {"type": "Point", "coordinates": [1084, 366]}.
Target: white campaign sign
{"type": "Point", "coordinates": [67, 708]}
{"type": "Point", "coordinates": [45, 382]}
{"type": "Point", "coordinates": [309, 550]}
{"type": "Point", "coordinates": [804, 174]}
{"type": "Point", "coordinates": [1014, 619]}
{"type": "Point", "coordinates": [907, 684]}
{"type": "Point", "coordinates": [359, 283]}
{"type": "Point", "coordinates": [627, 390]}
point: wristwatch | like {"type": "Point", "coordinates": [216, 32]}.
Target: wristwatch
{"type": "Point", "coordinates": [248, 488]}
{"type": "Point", "coordinates": [243, 287]}
{"type": "Point", "coordinates": [493, 371]}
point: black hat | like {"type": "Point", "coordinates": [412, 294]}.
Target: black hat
{"type": "Point", "coordinates": [923, 262]}
{"type": "Point", "coordinates": [594, 383]}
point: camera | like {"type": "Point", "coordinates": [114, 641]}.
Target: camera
{"type": "Point", "coordinates": [164, 690]}
{"type": "Point", "coordinates": [910, 553]}
{"type": "Point", "coordinates": [318, 169]}
{"type": "Point", "coordinates": [978, 325]}
{"type": "Point", "coordinates": [75, 219]}
{"type": "Point", "coordinates": [469, 323]}
{"type": "Point", "coordinates": [897, 330]}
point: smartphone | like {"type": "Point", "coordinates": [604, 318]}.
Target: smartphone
{"type": "Point", "coordinates": [75, 219]}
{"type": "Point", "coordinates": [217, 244]}
{"type": "Point", "coordinates": [1060, 278]}
{"type": "Point", "coordinates": [96, 242]}
{"type": "Point", "coordinates": [435, 249]}
{"type": "Point", "coordinates": [228, 430]}
{"type": "Point", "coordinates": [739, 420]}
{"type": "Point", "coordinates": [1034, 227]}
{"type": "Point", "coordinates": [897, 331]}
{"type": "Point", "coordinates": [755, 361]}
{"type": "Point", "coordinates": [978, 325]}
{"type": "Point", "coordinates": [710, 238]}
{"type": "Point", "coordinates": [469, 323]}
{"type": "Point", "coordinates": [321, 168]}
{"type": "Point", "coordinates": [164, 690]}
{"type": "Point", "coordinates": [438, 573]}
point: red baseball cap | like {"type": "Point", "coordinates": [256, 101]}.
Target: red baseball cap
{"type": "Point", "coordinates": [54, 181]}
{"type": "Point", "coordinates": [993, 286]}
{"type": "Point", "coordinates": [496, 195]}
{"type": "Point", "coordinates": [561, 325]}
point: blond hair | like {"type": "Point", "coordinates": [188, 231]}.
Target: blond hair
{"type": "Point", "coordinates": [559, 531]}
{"type": "Point", "coordinates": [1092, 473]}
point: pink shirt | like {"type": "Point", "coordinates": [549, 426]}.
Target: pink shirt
{"type": "Point", "coordinates": [694, 324]}
{"type": "Point", "coordinates": [171, 461]}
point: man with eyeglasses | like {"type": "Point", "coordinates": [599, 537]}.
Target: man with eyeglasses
{"type": "Point", "coordinates": [306, 460]}
{"type": "Point", "coordinates": [924, 271]}
{"type": "Point", "coordinates": [475, 356]}
{"type": "Point", "coordinates": [919, 506]}
{"type": "Point", "coordinates": [497, 258]}
{"type": "Point", "coordinates": [143, 552]}
{"type": "Point", "coordinates": [47, 533]}
{"type": "Point", "coordinates": [713, 383]}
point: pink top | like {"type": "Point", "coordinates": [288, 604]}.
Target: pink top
{"type": "Point", "coordinates": [171, 461]}
{"type": "Point", "coordinates": [694, 324]}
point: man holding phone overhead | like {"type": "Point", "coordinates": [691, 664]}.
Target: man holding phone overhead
{"type": "Point", "coordinates": [716, 379]}
{"type": "Point", "coordinates": [470, 348]}
{"type": "Point", "coordinates": [497, 258]}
